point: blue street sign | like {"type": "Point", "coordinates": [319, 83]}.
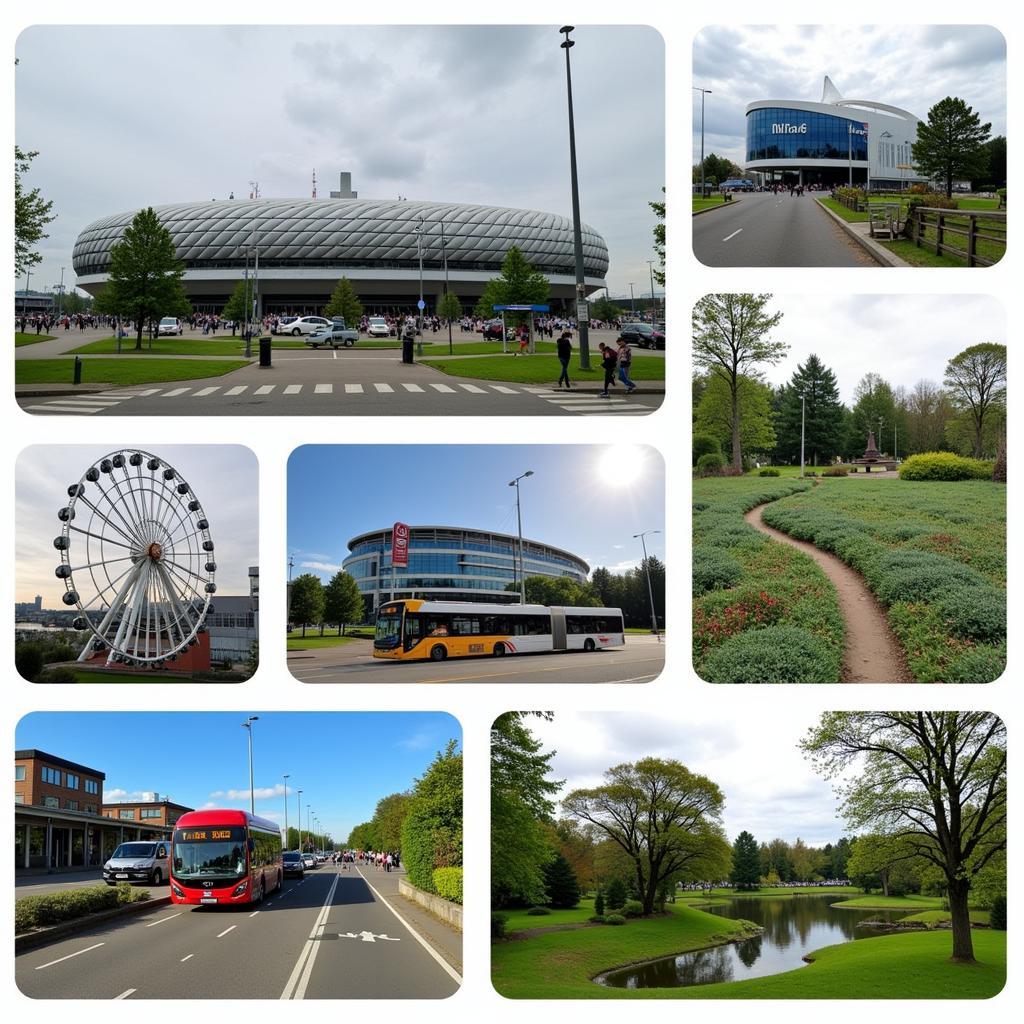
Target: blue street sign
{"type": "Point", "coordinates": [421, 305]}
{"type": "Point", "coordinates": [523, 309]}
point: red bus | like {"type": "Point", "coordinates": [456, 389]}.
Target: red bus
{"type": "Point", "coordinates": [224, 857]}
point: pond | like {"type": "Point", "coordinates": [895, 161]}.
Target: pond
{"type": "Point", "coordinates": [793, 927]}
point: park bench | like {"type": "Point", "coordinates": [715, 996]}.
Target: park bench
{"type": "Point", "coordinates": [884, 220]}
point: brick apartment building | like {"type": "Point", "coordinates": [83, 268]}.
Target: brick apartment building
{"type": "Point", "coordinates": [153, 812]}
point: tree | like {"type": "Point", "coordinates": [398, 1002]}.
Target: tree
{"type": "Point", "coordinates": [344, 303]}
{"type": "Point", "coordinates": [448, 307]}
{"type": "Point", "coordinates": [31, 215]}
{"type": "Point", "coordinates": [995, 155]}
{"type": "Point", "coordinates": [343, 601]}
{"type": "Point", "coordinates": [604, 309]}
{"type": "Point", "coordinates": [561, 591]}
{"type": "Point", "coordinates": [977, 379]}
{"type": "Point", "coordinates": [388, 818]}
{"type": "Point", "coordinates": [714, 415]}
{"type": "Point", "coordinates": [363, 837]}
{"type": "Point", "coordinates": [874, 404]}
{"type": "Point", "coordinates": [307, 601]}
{"type": "Point", "coordinates": [935, 780]}
{"type": "Point", "coordinates": [432, 829]}
{"type": "Point", "coordinates": [746, 862]}
{"type": "Point", "coordinates": [518, 284]}
{"type": "Point", "coordinates": [820, 413]}
{"type": "Point", "coordinates": [575, 842]}
{"type": "Point", "coordinates": [951, 144]}
{"type": "Point", "coordinates": [234, 309]}
{"type": "Point", "coordinates": [144, 281]}
{"type": "Point", "coordinates": [705, 444]}
{"type": "Point", "coordinates": [730, 338]}
{"type": "Point", "coordinates": [716, 170]}
{"type": "Point", "coordinates": [616, 895]}
{"type": "Point", "coordinates": [928, 409]}
{"type": "Point", "coordinates": [562, 886]}
{"type": "Point", "coordinates": [659, 238]}
{"type": "Point", "coordinates": [665, 818]}
{"type": "Point", "coordinates": [521, 801]}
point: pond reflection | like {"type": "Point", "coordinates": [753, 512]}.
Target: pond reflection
{"type": "Point", "coordinates": [793, 927]}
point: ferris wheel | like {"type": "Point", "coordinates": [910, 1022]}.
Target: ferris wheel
{"type": "Point", "coordinates": [136, 560]}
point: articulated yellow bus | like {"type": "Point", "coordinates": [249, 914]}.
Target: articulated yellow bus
{"type": "Point", "coordinates": [417, 630]}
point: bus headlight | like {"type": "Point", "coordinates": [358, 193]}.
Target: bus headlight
{"type": "Point", "coordinates": [177, 891]}
{"type": "Point", "coordinates": [240, 888]}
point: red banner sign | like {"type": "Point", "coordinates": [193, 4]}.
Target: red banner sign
{"type": "Point", "coordinates": [400, 546]}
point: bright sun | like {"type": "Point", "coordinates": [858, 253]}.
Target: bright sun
{"type": "Point", "coordinates": [622, 465]}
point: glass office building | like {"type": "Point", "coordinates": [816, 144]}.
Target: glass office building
{"type": "Point", "coordinates": [451, 563]}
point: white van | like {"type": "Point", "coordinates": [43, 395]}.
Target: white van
{"type": "Point", "coordinates": [143, 861]}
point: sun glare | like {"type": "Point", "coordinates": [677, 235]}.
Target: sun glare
{"type": "Point", "coordinates": [622, 465]}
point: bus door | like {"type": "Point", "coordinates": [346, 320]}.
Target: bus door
{"type": "Point", "coordinates": [558, 640]}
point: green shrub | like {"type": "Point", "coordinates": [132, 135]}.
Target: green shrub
{"type": "Point", "coordinates": [599, 904]}
{"type": "Point", "coordinates": [975, 612]}
{"type": "Point", "coordinates": [912, 575]}
{"type": "Point", "coordinates": [29, 661]}
{"type": "Point", "coordinates": [597, 919]}
{"type": "Point", "coordinates": [633, 908]}
{"type": "Point", "coordinates": [713, 569]}
{"type": "Point", "coordinates": [945, 466]}
{"type": "Point", "coordinates": [768, 471]}
{"type": "Point", "coordinates": [53, 908]}
{"type": "Point", "coordinates": [775, 654]}
{"type": "Point", "coordinates": [835, 471]}
{"type": "Point", "coordinates": [538, 911]}
{"type": "Point", "coordinates": [58, 674]}
{"type": "Point", "coordinates": [705, 444]}
{"type": "Point", "coordinates": [997, 915]}
{"type": "Point", "coordinates": [498, 924]}
{"type": "Point", "coordinates": [448, 884]}
{"type": "Point", "coordinates": [935, 200]}
{"type": "Point", "coordinates": [710, 464]}
{"type": "Point", "coordinates": [978, 665]}
{"type": "Point", "coordinates": [615, 898]}
{"type": "Point", "coordinates": [614, 919]}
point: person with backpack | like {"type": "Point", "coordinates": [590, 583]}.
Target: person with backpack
{"type": "Point", "coordinates": [563, 347]}
{"type": "Point", "coordinates": [609, 359]}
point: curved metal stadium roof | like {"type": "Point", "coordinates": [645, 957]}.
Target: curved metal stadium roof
{"type": "Point", "coordinates": [351, 233]}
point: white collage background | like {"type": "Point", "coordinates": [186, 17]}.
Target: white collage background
{"type": "Point", "coordinates": [476, 706]}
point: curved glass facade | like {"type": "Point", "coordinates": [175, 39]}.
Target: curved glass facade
{"type": "Point", "coordinates": [782, 133]}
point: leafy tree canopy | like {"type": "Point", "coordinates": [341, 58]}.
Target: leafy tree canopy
{"type": "Point", "coordinates": [31, 215]}
{"type": "Point", "coordinates": [950, 145]}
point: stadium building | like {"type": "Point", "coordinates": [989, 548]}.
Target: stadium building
{"type": "Point", "coordinates": [452, 563]}
{"type": "Point", "coordinates": [832, 142]}
{"type": "Point", "coordinates": [303, 246]}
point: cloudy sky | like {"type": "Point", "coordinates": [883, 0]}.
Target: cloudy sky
{"type": "Point", "coordinates": [770, 789]}
{"type": "Point", "coordinates": [908, 66]}
{"type": "Point", "coordinates": [223, 477]}
{"type": "Point", "coordinates": [147, 115]}
{"type": "Point", "coordinates": [904, 338]}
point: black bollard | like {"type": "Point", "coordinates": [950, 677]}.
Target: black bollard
{"type": "Point", "coordinates": [78, 370]}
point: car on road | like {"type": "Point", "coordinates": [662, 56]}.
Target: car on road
{"type": "Point", "coordinates": [293, 863]}
{"type": "Point", "coordinates": [309, 861]}
{"type": "Point", "coordinates": [643, 335]}
{"type": "Point", "coordinates": [148, 862]}
{"type": "Point", "coordinates": [493, 329]}
{"type": "Point", "coordinates": [334, 335]}
{"type": "Point", "coordinates": [170, 325]}
{"type": "Point", "coordinates": [302, 325]}
{"type": "Point", "coordinates": [377, 327]}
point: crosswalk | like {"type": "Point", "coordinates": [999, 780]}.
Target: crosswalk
{"type": "Point", "coordinates": [584, 403]}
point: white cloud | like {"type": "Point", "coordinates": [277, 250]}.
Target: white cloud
{"type": "Point", "coordinates": [261, 793]}
{"type": "Point", "coordinates": [124, 796]}
{"type": "Point", "coordinates": [320, 566]}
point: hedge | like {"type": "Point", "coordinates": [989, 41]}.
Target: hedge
{"type": "Point", "coordinates": [945, 466]}
{"type": "Point", "coordinates": [774, 654]}
{"type": "Point", "coordinates": [713, 569]}
{"type": "Point", "coordinates": [55, 907]}
{"type": "Point", "coordinates": [448, 884]}
{"type": "Point", "coordinates": [710, 464]}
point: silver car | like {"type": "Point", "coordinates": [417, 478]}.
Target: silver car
{"type": "Point", "coordinates": [148, 861]}
{"type": "Point", "coordinates": [303, 325]}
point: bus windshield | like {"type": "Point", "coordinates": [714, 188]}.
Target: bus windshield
{"type": "Point", "coordinates": [389, 629]}
{"type": "Point", "coordinates": [209, 853]}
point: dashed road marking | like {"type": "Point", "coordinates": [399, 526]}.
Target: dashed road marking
{"type": "Point", "coordinates": [352, 389]}
{"type": "Point", "coordinates": [292, 389]}
{"type": "Point", "coordinates": [174, 392]}
{"type": "Point", "coordinates": [70, 956]}
{"type": "Point", "coordinates": [126, 993]}
{"type": "Point", "coordinates": [323, 389]}
{"type": "Point", "coordinates": [226, 930]}
{"type": "Point", "coordinates": [236, 390]}
{"type": "Point", "coordinates": [733, 235]}
{"type": "Point", "coordinates": [203, 392]}
{"type": "Point", "coordinates": [265, 389]}
{"type": "Point", "coordinates": [170, 917]}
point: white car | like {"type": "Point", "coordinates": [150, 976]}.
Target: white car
{"type": "Point", "coordinates": [170, 325]}
{"type": "Point", "coordinates": [377, 327]}
{"type": "Point", "coordinates": [304, 325]}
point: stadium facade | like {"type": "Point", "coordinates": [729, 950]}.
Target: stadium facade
{"type": "Point", "coordinates": [304, 246]}
{"type": "Point", "coordinates": [453, 563]}
{"type": "Point", "coordinates": [831, 142]}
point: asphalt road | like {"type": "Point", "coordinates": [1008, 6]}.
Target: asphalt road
{"type": "Point", "coordinates": [765, 230]}
{"type": "Point", "coordinates": [325, 937]}
{"type": "Point", "coordinates": [640, 661]}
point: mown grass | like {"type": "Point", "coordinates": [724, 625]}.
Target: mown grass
{"type": "Point", "coordinates": [314, 642]}
{"type": "Point", "coordinates": [934, 553]}
{"type": "Point", "coordinates": [762, 612]}
{"type": "Point", "coordinates": [21, 340]}
{"type": "Point", "coordinates": [879, 902]}
{"type": "Point", "coordinates": [121, 372]}
{"type": "Point", "coordinates": [797, 890]}
{"type": "Point", "coordinates": [481, 348]}
{"type": "Point", "coordinates": [178, 346]}
{"type": "Point", "coordinates": [939, 918]}
{"type": "Point", "coordinates": [519, 920]}
{"type": "Point", "coordinates": [544, 368]}
{"type": "Point", "coordinates": [843, 211]}
{"type": "Point", "coordinates": [700, 204]}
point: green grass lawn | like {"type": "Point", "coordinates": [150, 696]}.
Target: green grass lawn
{"type": "Point", "coordinates": [481, 348]}
{"type": "Point", "coordinates": [120, 372]}
{"type": "Point", "coordinates": [700, 204]}
{"type": "Point", "coordinates": [843, 211]}
{"type": "Point", "coordinates": [744, 582]}
{"type": "Point", "coordinates": [905, 965]}
{"type": "Point", "coordinates": [314, 642]}
{"type": "Point", "coordinates": [922, 256]}
{"type": "Point", "coordinates": [181, 347]}
{"type": "Point", "coordinates": [520, 920]}
{"type": "Point", "coordinates": [543, 368]}
{"type": "Point", "coordinates": [935, 918]}
{"type": "Point", "coordinates": [880, 902]}
{"type": "Point", "coordinates": [30, 339]}
{"type": "Point", "coordinates": [772, 891]}
{"type": "Point", "coordinates": [934, 553]}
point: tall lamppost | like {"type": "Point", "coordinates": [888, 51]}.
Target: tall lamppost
{"type": "Point", "coordinates": [582, 321]}
{"type": "Point", "coordinates": [519, 520]}
{"type": "Point", "coordinates": [647, 570]}
{"type": "Point", "coordinates": [632, 302]}
{"type": "Point", "coordinates": [418, 231]}
{"type": "Point", "coordinates": [703, 93]}
{"type": "Point", "coordinates": [444, 261]}
{"type": "Point", "coordinates": [650, 266]}
{"type": "Point", "coordinates": [247, 725]}
{"type": "Point", "coordinates": [298, 816]}
{"type": "Point", "coordinates": [286, 778]}
{"type": "Point", "coordinates": [24, 304]}
{"type": "Point", "coordinates": [309, 822]}
{"type": "Point", "coordinates": [60, 299]}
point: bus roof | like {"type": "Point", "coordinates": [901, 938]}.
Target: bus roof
{"type": "Point", "coordinates": [454, 607]}
{"type": "Point", "coordinates": [228, 816]}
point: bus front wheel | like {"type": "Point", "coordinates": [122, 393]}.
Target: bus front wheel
{"type": "Point", "coordinates": [438, 652]}
{"type": "Point", "coordinates": [499, 650]}
{"type": "Point", "coordinates": [589, 645]}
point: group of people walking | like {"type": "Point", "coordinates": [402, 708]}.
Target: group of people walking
{"type": "Point", "coordinates": [615, 361]}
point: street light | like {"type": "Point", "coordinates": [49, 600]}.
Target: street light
{"type": "Point", "coordinates": [444, 261]}
{"type": "Point", "coordinates": [60, 300]}
{"type": "Point", "coordinates": [418, 232]}
{"type": "Point", "coordinates": [650, 265]}
{"type": "Point", "coordinates": [647, 570]}
{"type": "Point", "coordinates": [519, 520]}
{"type": "Point", "coordinates": [286, 778]}
{"type": "Point", "coordinates": [247, 725]}
{"type": "Point", "coordinates": [582, 321]}
{"type": "Point", "coordinates": [24, 304]}
{"type": "Point", "coordinates": [703, 93]}
{"type": "Point", "coordinates": [298, 817]}
{"type": "Point", "coordinates": [632, 304]}
{"type": "Point", "coordinates": [309, 822]}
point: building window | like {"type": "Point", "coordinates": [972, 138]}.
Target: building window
{"type": "Point", "coordinates": [72, 781]}
{"type": "Point", "coordinates": [52, 776]}
{"type": "Point", "coordinates": [71, 805]}
{"type": "Point", "coordinates": [126, 815]}
{"type": "Point", "coordinates": [151, 812]}
{"type": "Point", "coordinates": [19, 773]}
{"type": "Point", "coordinates": [89, 808]}
{"type": "Point", "coordinates": [51, 801]}
{"type": "Point", "coordinates": [92, 786]}
{"type": "Point", "coordinates": [19, 798]}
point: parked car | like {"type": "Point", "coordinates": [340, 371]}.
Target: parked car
{"type": "Point", "coordinates": [492, 329]}
{"type": "Point", "coordinates": [148, 862]}
{"type": "Point", "coordinates": [643, 335]}
{"type": "Point", "coordinates": [293, 863]}
{"type": "Point", "coordinates": [170, 325]}
{"type": "Point", "coordinates": [302, 325]}
{"type": "Point", "coordinates": [377, 327]}
{"type": "Point", "coordinates": [334, 334]}
{"type": "Point", "coordinates": [309, 861]}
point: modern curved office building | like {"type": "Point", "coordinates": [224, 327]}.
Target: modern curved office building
{"type": "Point", "coordinates": [305, 245]}
{"type": "Point", "coordinates": [453, 563]}
{"type": "Point", "coordinates": [832, 142]}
